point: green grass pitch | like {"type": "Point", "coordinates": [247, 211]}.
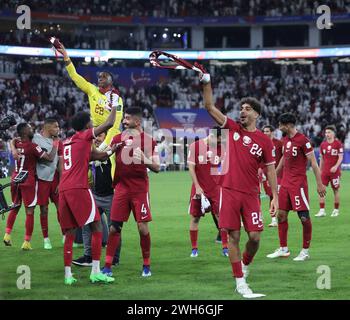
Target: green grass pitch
{"type": "Point", "coordinates": [175, 274]}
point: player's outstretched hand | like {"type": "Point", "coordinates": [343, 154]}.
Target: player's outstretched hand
{"type": "Point", "coordinates": [321, 189]}
{"type": "Point", "coordinates": [204, 76]}
{"type": "Point", "coordinates": [61, 49]}
{"type": "Point", "coordinates": [274, 206]}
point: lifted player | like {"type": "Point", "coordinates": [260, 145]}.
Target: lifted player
{"type": "Point", "coordinates": [204, 159]}
{"type": "Point", "coordinates": [293, 195]}
{"type": "Point", "coordinates": [331, 157]}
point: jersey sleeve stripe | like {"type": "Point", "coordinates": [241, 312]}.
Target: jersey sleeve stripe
{"type": "Point", "coordinates": [309, 153]}
{"type": "Point", "coordinates": [270, 163]}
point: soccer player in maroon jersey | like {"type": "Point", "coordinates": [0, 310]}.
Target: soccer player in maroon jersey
{"type": "Point", "coordinates": [246, 149]}
{"type": "Point", "coordinates": [28, 155]}
{"type": "Point", "coordinates": [136, 153]}
{"type": "Point", "coordinates": [204, 160]}
{"type": "Point", "coordinates": [331, 157]}
{"type": "Point", "coordinates": [77, 206]}
{"type": "Point", "coordinates": [293, 194]}
{"type": "Point", "coordinates": [269, 130]}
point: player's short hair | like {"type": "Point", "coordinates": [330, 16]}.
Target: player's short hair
{"type": "Point", "coordinates": [80, 120]}
{"type": "Point", "coordinates": [109, 73]}
{"type": "Point", "coordinates": [253, 102]}
{"type": "Point", "coordinates": [20, 128]}
{"type": "Point", "coordinates": [287, 118]}
{"type": "Point", "coordinates": [268, 126]}
{"type": "Point", "coordinates": [50, 121]}
{"type": "Point", "coordinates": [330, 127]}
{"type": "Point", "coordinates": [134, 111]}
{"type": "Point", "coordinates": [216, 129]}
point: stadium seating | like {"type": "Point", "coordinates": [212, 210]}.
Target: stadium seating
{"type": "Point", "coordinates": [182, 8]}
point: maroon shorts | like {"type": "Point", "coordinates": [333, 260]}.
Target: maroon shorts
{"type": "Point", "coordinates": [26, 192]}
{"type": "Point", "coordinates": [333, 178]}
{"type": "Point", "coordinates": [195, 208]}
{"type": "Point", "coordinates": [294, 198]}
{"type": "Point", "coordinates": [233, 205]}
{"type": "Point", "coordinates": [267, 187]}
{"type": "Point", "coordinates": [125, 201]}
{"type": "Point", "coordinates": [47, 190]}
{"type": "Point", "coordinates": [77, 208]}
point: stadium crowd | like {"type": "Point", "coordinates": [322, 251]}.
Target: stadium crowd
{"type": "Point", "coordinates": [182, 8]}
{"type": "Point", "coordinates": [319, 94]}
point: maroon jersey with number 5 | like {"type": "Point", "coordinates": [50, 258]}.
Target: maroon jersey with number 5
{"type": "Point", "coordinates": [295, 150]}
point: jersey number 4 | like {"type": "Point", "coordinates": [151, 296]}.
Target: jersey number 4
{"type": "Point", "coordinates": [67, 156]}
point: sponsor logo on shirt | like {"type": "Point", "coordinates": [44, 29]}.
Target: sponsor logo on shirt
{"type": "Point", "coordinates": [334, 152]}
{"type": "Point", "coordinates": [329, 147]}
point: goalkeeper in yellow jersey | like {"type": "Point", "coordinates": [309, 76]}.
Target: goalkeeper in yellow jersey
{"type": "Point", "coordinates": [101, 98]}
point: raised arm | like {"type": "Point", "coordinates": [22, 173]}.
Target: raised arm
{"type": "Point", "coordinates": [217, 115]}
{"type": "Point", "coordinates": [107, 124]}
{"type": "Point", "coordinates": [79, 81]}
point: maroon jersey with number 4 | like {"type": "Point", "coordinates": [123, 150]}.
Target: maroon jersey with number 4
{"type": "Point", "coordinates": [130, 174]}
{"type": "Point", "coordinates": [76, 157]}
{"type": "Point", "coordinates": [29, 153]}
{"type": "Point", "coordinates": [330, 153]}
{"type": "Point", "coordinates": [245, 152]}
{"type": "Point", "coordinates": [295, 150]}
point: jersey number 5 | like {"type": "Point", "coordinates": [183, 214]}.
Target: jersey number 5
{"type": "Point", "coordinates": [67, 156]}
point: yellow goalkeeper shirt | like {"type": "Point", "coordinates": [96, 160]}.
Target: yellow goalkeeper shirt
{"type": "Point", "coordinates": [97, 102]}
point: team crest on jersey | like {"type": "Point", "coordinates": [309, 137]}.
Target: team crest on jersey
{"type": "Point", "coordinates": [128, 142]}
{"type": "Point", "coordinates": [246, 140]}
{"type": "Point", "coordinates": [200, 158]}
{"type": "Point", "coordinates": [324, 151]}
{"type": "Point", "coordinates": [236, 136]}
{"type": "Point", "coordinates": [288, 144]}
